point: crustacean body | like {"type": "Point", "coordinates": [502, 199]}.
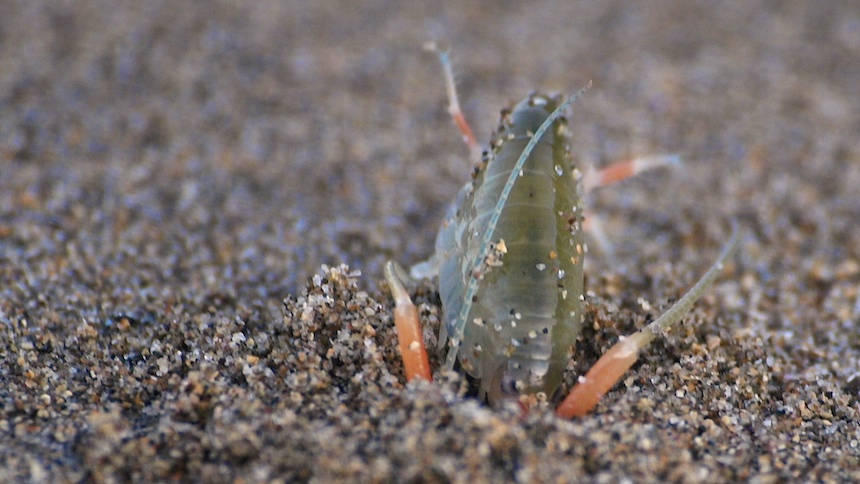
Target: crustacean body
{"type": "Point", "coordinates": [509, 257]}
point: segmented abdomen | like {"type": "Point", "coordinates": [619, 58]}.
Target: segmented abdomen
{"type": "Point", "coordinates": [527, 311]}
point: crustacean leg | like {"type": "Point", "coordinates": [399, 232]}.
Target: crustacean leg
{"type": "Point", "coordinates": [618, 359]}
{"type": "Point", "coordinates": [409, 337]}
{"type": "Point", "coordinates": [454, 103]}
{"type": "Point", "coordinates": [621, 170]}
{"type": "Point", "coordinates": [613, 173]}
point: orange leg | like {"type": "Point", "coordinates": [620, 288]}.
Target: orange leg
{"type": "Point", "coordinates": [453, 103]}
{"type": "Point", "coordinates": [625, 169]}
{"type": "Point", "coordinates": [409, 337]}
{"type": "Point", "coordinates": [609, 368]}
{"type": "Point", "coordinates": [601, 377]}
{"type": "Point", "coordinates": [614, 173]}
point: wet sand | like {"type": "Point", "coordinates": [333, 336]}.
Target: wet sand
{"type": "Point", "coordinates": [172, 180]}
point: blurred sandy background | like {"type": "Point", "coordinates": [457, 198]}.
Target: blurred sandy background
{"type": "Point", "coordinates": [170, 173]}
